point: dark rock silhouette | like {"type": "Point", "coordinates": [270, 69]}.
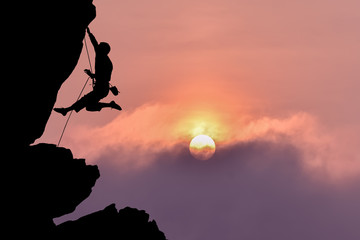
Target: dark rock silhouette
{"type": "Point", "coordinates": [48, 183]}
{"type": "Point", "coordinates": [44, 181]}
{"type": "Point", "coordinates": [65, 181]}
{"type": "Point", "coordinates": [128, 223]}
{"type": "Point", "coordinates": [46, 43]}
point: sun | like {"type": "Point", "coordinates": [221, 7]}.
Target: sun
{"type": "Point", "coordinates": [202, 147]}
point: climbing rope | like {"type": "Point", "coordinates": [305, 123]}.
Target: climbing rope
{"type": "Point", "coordinates": [87, 52]}
{"type": "Point", "coordinates": [67, 121]}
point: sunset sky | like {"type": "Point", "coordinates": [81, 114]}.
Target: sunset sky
{"type": "Point", "coordinates": [274, 83]}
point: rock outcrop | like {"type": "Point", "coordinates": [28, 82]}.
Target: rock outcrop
{"type": "Point", "coordinates": [128, 223]}
{"type": "Point", "coordinates": [55, 177]}
{"type": "Point", "coordinates": [44, 181]}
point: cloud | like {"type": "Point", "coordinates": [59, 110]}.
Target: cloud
{"type": "Point", "coordinates": [249, 190]}
{"type": "Point", "coordinates": [139, 136]}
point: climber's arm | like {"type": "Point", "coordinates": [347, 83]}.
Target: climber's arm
{"type": "Point", "coordinates": [89, 73]}
{"type": "Point", "coordinates": [92, 39]}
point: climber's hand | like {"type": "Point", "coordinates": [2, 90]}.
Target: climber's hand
{"type": "Point", "coordinates": [88, 72]}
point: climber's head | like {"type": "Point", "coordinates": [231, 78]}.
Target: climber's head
{"type": "Point", "coordinates": [104, 48]}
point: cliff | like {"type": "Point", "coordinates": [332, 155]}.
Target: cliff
{"type": "Point", "coordinates": [45, 44]}
{"type": "Point", "coordinates": [41, 182]}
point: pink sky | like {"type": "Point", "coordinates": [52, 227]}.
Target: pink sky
{"type": "Point", "coordinates": [280, 73]}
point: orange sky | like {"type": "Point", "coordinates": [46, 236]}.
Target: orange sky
{"type": "Point", "coordinates": [281, 72]}
{"type": "Point", "coordinates": [221, 64]}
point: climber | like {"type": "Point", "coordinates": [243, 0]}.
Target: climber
{"type": "Point", "coordinates": [101, 79]}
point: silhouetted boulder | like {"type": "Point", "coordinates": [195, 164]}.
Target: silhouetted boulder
{"type": "Point", "coordinates": [46, 182]}
{"type": "Point", "coordinates": [59, 180]}
{"type": "Point", "coordinates": [128, 223]}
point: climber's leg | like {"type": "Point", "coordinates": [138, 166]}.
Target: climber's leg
{"type": "Point", "coordinates": [100, 105]}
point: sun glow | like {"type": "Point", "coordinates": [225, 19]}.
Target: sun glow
{"type": "Point", "coordinates": [202, 147]}
{"type": "Point", "coordinates": [201, 122]}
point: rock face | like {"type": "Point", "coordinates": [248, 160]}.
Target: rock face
{"type": "Point", "coordinates": [47, 182]}
{"type": "Point", "coordinates": [44, 181]}
{"type": "Point", "coordinates": [62, 181]}
{"type": "Point", "coordinates": [46, 42]}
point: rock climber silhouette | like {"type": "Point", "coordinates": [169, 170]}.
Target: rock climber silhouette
{"type": "Point", "coordinates": [101, 79]}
